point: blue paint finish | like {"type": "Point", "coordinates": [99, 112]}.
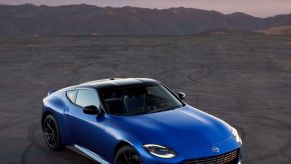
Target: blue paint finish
{"type": "Point", "coordinates": [188, 131]}
{"type": "Point", "coordinates": [86, 130]}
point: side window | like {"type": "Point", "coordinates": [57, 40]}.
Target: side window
{"type": "Point", "coordinates": [87, 98]}
{"type": "Point", "coordinates": [71, 95]}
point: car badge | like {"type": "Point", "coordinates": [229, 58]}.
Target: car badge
{"type": "Point", "coordinates": [215, 149]}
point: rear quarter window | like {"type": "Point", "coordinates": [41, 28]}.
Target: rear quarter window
{"type": "Point", "coordinates": [71, 95]}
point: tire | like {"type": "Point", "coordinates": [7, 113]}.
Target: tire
{"type": "Point", "coordinates": [51, 133]}
{"type": "Point", "coordinates": [127, 155]}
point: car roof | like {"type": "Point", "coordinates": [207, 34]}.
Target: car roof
{"type": "Point", "coordinates": [116, 82]}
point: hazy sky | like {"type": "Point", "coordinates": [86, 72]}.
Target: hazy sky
{"type": "Point", "coordinates": [260, 8]}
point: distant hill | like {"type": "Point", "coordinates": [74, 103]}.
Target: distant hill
{"type": "Point", "coordinates": [84, 19]}
{"type": "Point", "coordinates": [280, 30]}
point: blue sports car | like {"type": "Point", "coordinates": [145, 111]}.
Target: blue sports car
{"type": "Point", "coordinates": [136, 120]}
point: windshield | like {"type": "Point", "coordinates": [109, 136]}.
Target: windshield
{"type": "Point", "coordinates": [136, 100]}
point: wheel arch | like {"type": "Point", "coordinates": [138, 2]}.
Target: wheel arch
{"type": "Point", "coordinates": [46, 113]}
{"type": "Point", "coordinates": [65, 137]}
{"type": "Point", "coordinates": [120, 145]}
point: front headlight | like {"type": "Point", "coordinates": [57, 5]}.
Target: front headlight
{"type": "Point", "coordinates": [235, 134]}
{"type": "Point", "coordinates": [160, 151]}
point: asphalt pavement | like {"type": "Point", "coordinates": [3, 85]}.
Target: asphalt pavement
{"type": "Point", "coordinates": [244, 80]}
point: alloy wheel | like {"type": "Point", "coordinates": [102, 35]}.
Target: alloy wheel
{"type": "Point", "coordinates": [128, 157]}
{"type": "Point", "coordinates": [50, 131]}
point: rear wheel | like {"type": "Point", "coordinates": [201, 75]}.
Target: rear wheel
{"type": "Point", "coordinates": [52, 133]}
{"type": "Point", "coordinates": [127, 155]}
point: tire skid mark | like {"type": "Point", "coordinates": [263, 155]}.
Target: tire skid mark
{"type": "Point", "coordinates": [282, 151]}
{"type": "Point", "coordinates": [31, 139]}
{"type": "Point", "coordinates": [75, 70]}
{"type": "Point", "coordinates": [35, 141]}
{"type": "Point", "coordinates": [197, 72]}
{"type": "Point", "coordinates": [202, 74]}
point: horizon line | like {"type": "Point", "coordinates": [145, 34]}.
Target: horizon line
{"type": "Point", "coordinates": [159, 9]}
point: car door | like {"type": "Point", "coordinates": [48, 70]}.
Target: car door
{"type": "Point", "coordinates": [86, 130]}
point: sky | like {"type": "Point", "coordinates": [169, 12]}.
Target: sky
{"type": "Point", "coordinates": [258, 8]}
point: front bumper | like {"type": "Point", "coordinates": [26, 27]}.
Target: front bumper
{"type": "Point", "coordinates": [200, 155]}
{"type": "Point", "coordinates": [231, 157]}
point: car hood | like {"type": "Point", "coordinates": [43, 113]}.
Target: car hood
{"type": "Point", "coordinates": [184, 128]}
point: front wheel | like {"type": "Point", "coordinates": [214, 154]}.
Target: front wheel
{"type": "Point", "coordinates": [52, 133]}
{"type": "Point", "coordinates": [127, 155]}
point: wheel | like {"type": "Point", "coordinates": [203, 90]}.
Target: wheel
{"type": "Point", "coordinates": [52, 133]}
{"type": "Point", "coordinates": [127, 155]}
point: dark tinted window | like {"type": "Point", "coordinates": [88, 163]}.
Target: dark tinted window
{"type": "Point", "coordinates": [133, 100]}
{"type": "Point", "coordinates": [87, 98]}
{"type": "Point", "coordinates": [71, 95]}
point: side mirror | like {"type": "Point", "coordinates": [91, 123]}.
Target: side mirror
{"type": "Point", "coordinates": [181, 95]}
{"type": "Point", "coordinates": [93, 110]}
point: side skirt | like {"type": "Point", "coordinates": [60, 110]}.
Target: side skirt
{"type": "Point", "coordinates": [90, 154]}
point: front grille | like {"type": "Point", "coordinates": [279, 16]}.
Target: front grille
{"type": "Point", "coordinates": [227, 158]}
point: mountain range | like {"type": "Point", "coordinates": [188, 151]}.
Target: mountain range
{"type": "Point", "coordinates": [28, 19]}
